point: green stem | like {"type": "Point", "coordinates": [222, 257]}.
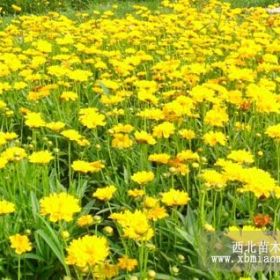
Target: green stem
{"type": "Point", "coordinates": [202, 204]}
{"type": "Point", "coordinates": [276, 216]}
{"type": "Point", "coordinates": [215, 208]}
{"type": "Point", "coordinates": [69, 163]}
{"type": "Point", "coordinates": [19, 272]}
{"type": "Point", "coordinates": [142, 260]}
{"type": "Point", "coordinates": [278, 162]}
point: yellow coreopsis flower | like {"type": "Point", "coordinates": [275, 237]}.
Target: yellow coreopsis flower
{"type": "Point", "coordinates": [144, 137]}
{"type": "Point", "coordinates": [156, 213]}
{"type": "Point", "coordinates": [126, 263]}
{"type": "Point", "coordinates": [34, 120]}
{"type": "Point", "coordinates": [106, 271]}
{"type": "Point", "coordinates": [87, 167]}
{"type": "Point", "coordinates": [159, 158]}
{"type": "Point", "coordinates": [43, 46]}
{"type": "Point", "coordinates": [213, 179]}
{"type": "Point", "coordinates": [85, 220]}
{"type": "Point", "coordinates": [121, 128]}
{"type": "Point", "coordinates": [59, 206]}
{"type": "Point", "coordinates": [10, 135]}
{"type": "Point", "coordinates": [75, 136]}
{"type": "Point", "coordinates": [241, 156]}
{"type": "Point", "coordinates": [187, 155]}
{"type": "Point", "coordinates": [14, 154]}
{"type": "Point", "coordinates": [20, 243]}
{"type": "Point", "coordinates": [42, 157]}
{"type": "Point", "coordinates": [6, 207]}
{"type": "Point", "coordinates": [91, 118]}
{"type": "Point", "coordinates": [55, 126]}
{"type": "Point", "coordinates": [121, 141]}
{"type": "Point", "coordinates": [164, 130]}
{"type": "Point", "coordinates": [143, 177]}
{"type": "Point", "coordinates": [79, 75]}
{"type": "Point", "coordinates": [135, 225]}
{"type": "Point", "coordinates": [273, 132]}
{"type": "Point", "coordinates": [187, 134]}
{"type": "Point", "coordinates": [105, 193]}
{"type": "Point", "coordinates": [136, 193]}
{"type": "Point", "coordinates": [213, 138]}
{"type": "Point", "coordinates": [69, 96]}
{"type": "Point", "coordinates": [216, 117]}
{"type": "Point", "coordinates": [3, 162]}
{"type": "Point", "coordinates": [87, 251]}
{"type": "Point", "coordinates": [175, 198]}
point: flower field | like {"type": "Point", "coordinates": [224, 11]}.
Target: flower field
{"type": "Point", "coordinates": [125, 138]}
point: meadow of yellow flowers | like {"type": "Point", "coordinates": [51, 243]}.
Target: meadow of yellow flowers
{"type": "Point", "coordinates": [123, 139]}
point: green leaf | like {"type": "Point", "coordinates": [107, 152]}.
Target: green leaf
{"type": "Point", "coordinates": [33, 257]}
{"type": "Point", "coordinates": [52, 244]}
{"type": "Point", "coordinates": [51, 239]}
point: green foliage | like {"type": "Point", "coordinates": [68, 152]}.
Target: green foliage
{"type": "Point", "coordinates": [42, 6]}
{"type": "Point", "coordinates": [253, 3]}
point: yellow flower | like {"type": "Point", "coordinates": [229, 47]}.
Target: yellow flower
{"type": "Point", "coordinates": [135, 225]}
{"type": "Point", "coordinates": [42, 157]}
{"type": "Point", "coordinates": [175, 198]}
{"type": "Point", "coordinates": [79, 75]}
{"type": "Point", "coordinates": [241, 156]}
{"type": "Point", "coordinates": [10, 135]}
{"type": "Point", "coordinates": [216, 117]}
{"type": "Point", "coordinates": [164, 130]}
{"type": "Point", "coordinates": [186, 155]}
{"type": "Point", "coordinates": [126, 263]}
{"type": "Point", "coordinates": [69, 96]}
{"type": "Point", "coordinates": [87, 251]}
{"type": "Point", "coordinates": [85, 220]}
{"type": "Point", "coordinates": [35, 96]}
{"type": "Point", "coordinates": [144, 137]}
{"type": "Point", "coordinates": [121, 141]}
{"type": "Point", "coordinates": [143, 177]}
{"type": "Point", "coordinates": [136, 193]}
{"type": "Point", "coordinates": [34, 120]}
{"type": "Point", "coordinates": [59, 206]}
{"type": "Point", "coordinates": [3, 105]}
{"type": "Point", "coordinates": [150, 202]}
{"type": "Point", "coordinates": [16, 8]}
{"type": "Point", "coordinates": [20, 243]}
{"type": "Point", "coordinates": [213, 179]}
{"type": "Point", "coordinates": [87, 167]}
{"type": "Point", "coordinates": [151, 114]}
{"type": "Point", "coordinates": [121, 128]}
{"type": "Point", "coordinates": [55, 126]}
{"type": "Point", "coordinates": [156, 213]}
{"type": "Point", "coordinates": [6, 207]}
{"type": "Point", "coordinates": [3, 162]}
{"type": "Point", "coordinates": [91, 118]}
{"type": "Point", "coordinates": [43, 46]}
{"type": "Point", "coordinates": [14, 154]}
{"type": "Point", "coordinates": [106, 271]}
{"type": "Point", "coordinates": [105, 193]}
{"type": "Point", "coordinates": [213, 138]}
{"type": "Point", "coordinates": [273, 131]}
{"type": "Point", "coordinates": [187, 134]}
{"type": "Point", "coordinates": [159, 158]}
{"type": "Point", "coordinates": [75, 136]}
